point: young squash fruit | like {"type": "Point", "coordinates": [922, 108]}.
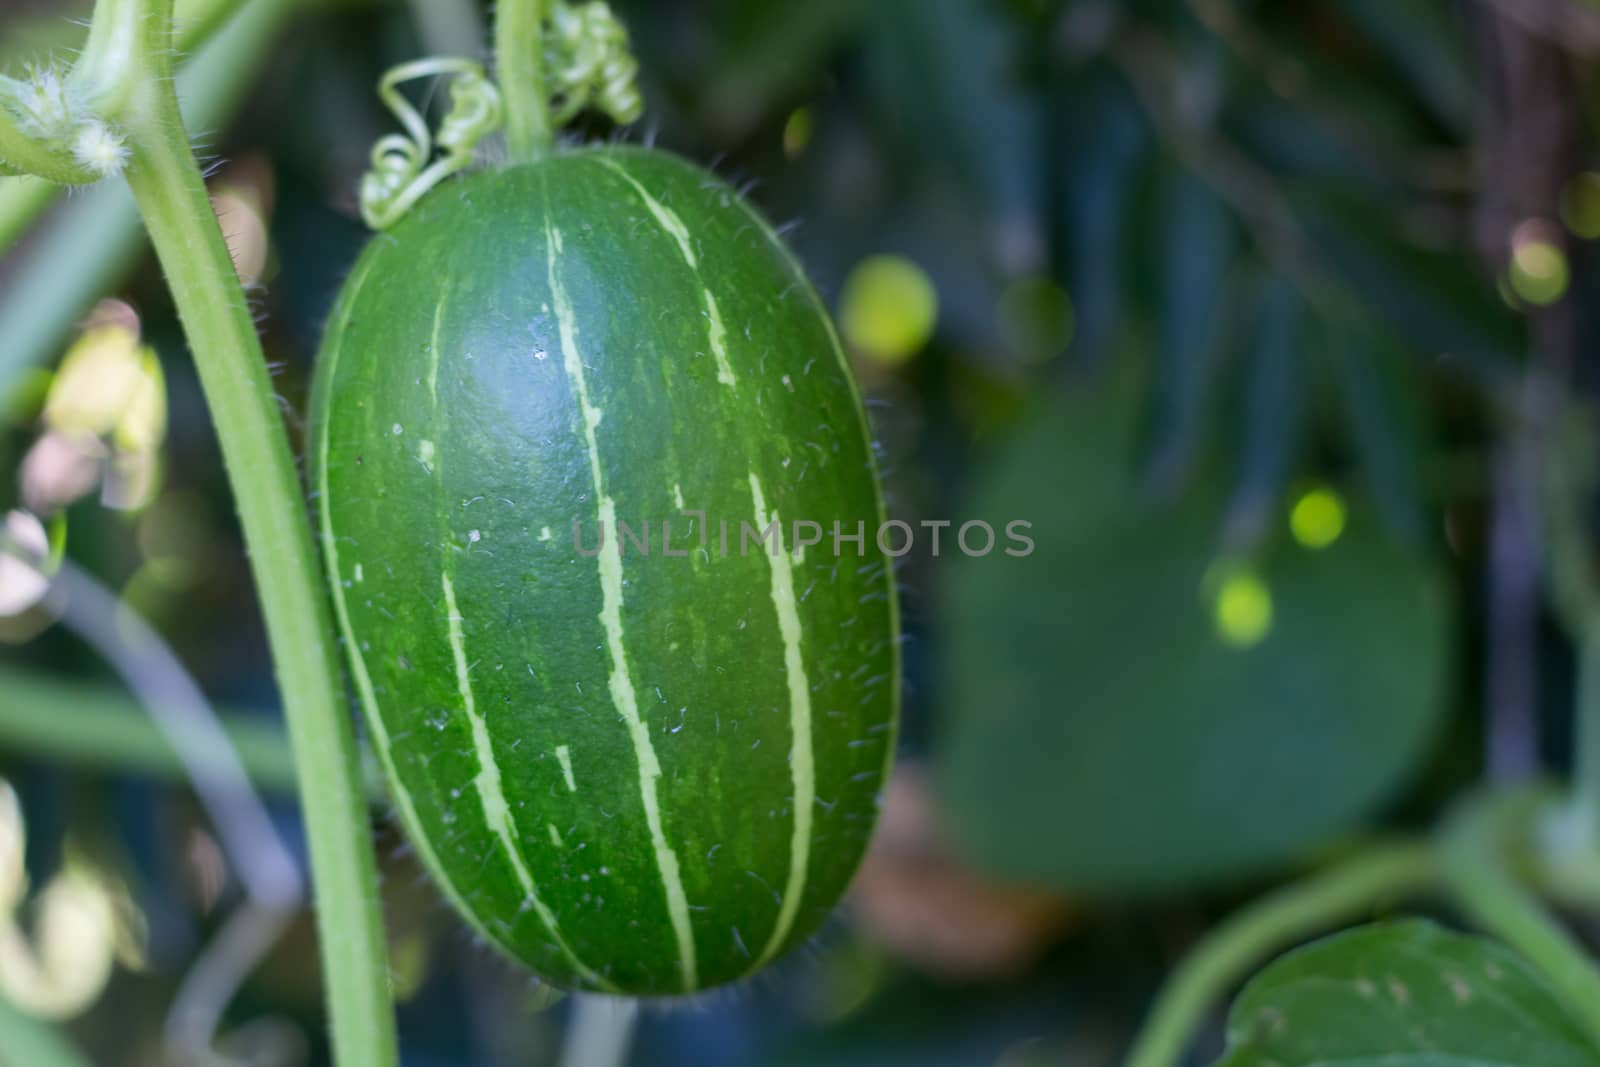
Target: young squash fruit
{"type": "Point", "coordinates": [650, 769]}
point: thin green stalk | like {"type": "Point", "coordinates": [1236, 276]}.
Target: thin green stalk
{"type": "Point", "coordinates": [93, 726]}
{"type": "Point", "coordinates": [21, 152]}
{"type": "Point", "coordinates": [22, 200]}
{"type": "Point", "coordinates": [519, 64]}
{"type": "Point", "coordinates": [96, 727]}
{"type": "Point", "coordinates": [27, 1042]}
{"type": "Point", "coordinates": [1586, 747]}
{"type": "Point", "coordinates": [170, 190]}
{"type": "Point", "coordinates": [1268, 927]}
{"type": "Point", "coordinates": [1567, 480]}
{"type": "Point", "coordinates": [1479, 869]}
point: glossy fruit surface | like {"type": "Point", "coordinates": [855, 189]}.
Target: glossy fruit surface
{"type": "Point", "coordinates": [649, 768]}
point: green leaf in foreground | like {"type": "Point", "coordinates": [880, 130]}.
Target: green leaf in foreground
{"type": "Point", "coordinates": [1405, 994]}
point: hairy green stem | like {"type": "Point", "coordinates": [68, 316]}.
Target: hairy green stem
{"type": "Point", "coordinates": [1481, 844]}
{"type": "Point", "coordinates": [20, 153]}
{"type": "Point", "coordinates": [170, 190]}
{"type": "Point", "coordinates": [1269, 926]}
{"type": "Point", "coordinates": [97, 238]}
{"type": "Point", "coordinates": [24, 199]}
{"type": "Point", "coordinates": [519, 66]}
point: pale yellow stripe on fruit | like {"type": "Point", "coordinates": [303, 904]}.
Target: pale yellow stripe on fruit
{"type": "Point", "coordinates": [673, 223]}
{"type": "Point", "coordinates": [621, 684]}
{"type": "Point", "coordinates": [891, 591]}
{"type": "Point", "coordinates": [358, 663]}
{"type": "Point", "coordinates": [564, 756]}
{"type": "Point", "coordinates": [719, 339]}
{"type": "Point", "coordinates": [491, 791]}
{"type": "Point", "coordinates": [433, 353]}
{"type": "Point", "coordinates": [670, 220]}
{"type": "Point", "coordinates": [802, 765]}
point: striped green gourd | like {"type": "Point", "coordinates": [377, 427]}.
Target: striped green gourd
{"type": "Point", "coordinates": [643, 774]}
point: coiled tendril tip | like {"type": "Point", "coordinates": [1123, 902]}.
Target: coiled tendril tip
{"type": "Point", "coordinates": [403, 165]}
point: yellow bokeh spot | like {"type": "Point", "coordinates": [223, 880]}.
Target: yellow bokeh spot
{"type": "Point", "coordinates": [889, 309]}
{"type": "Point", "coordinates": [1538, 273]}
{"type": "Point", "coordinates": [1580, 205]}
{"type": "Point", "coordinates": [1318, 518]}
{"type": "Point", "coordinates": [1243, 609]}
{"type": "Point", "coordinates": [797, 132]}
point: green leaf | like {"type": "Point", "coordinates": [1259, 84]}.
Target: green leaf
{"type": "Point", "coordinates": [1433, 297]}
{"type": "Point", "coordinates": [945, 77]}
{"type": "Point", "coordinates": [1385, 416]}
{"type": "Point", "coordinates": [1404, 994]}
{"type": "Point", "coordinates": [1426, 44]}
{"type": "Point", "coordinates": [768, 53]}
{"type": "Point", "coordinates": [1196, 242]}
{"type": "Point", "coordinates": [1274, 413]}
{"type": "Point", "coordinates": [26, 1040]}
{"type": "Point", "coordinates": [1103, 729]}
{"type": "Point", "coordinates": [1102, 141]}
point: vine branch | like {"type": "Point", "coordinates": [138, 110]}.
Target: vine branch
{"type": "Point", "coordinates": [1273, 924]}
{"type": "Point", "coordinates": [1479, 868]}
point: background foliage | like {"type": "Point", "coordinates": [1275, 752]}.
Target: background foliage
{"type": "Point", "coordinates": [1236, 302]}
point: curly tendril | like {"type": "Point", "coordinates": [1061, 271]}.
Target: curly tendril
{"type": "Point", "coordinates": [590, 64]}
{"type": "Point", "coordinates": [401, 171]}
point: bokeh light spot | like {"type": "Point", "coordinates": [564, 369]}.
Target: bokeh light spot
{"type": "Point", "coordinates": [1243, 609]}
{"type": "Point", "coordinates": [1580, 205]}
{"type": "Point", "coordinates": [1538, 272]}
{"type": "Point", "coordinates": [797, 132]}
{"type": "Point", "coordinates": [889, 309]}
{"type": "Point", "coordinates": [1318, 518]}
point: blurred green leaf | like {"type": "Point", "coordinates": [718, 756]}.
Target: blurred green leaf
{"type": "Point", "coordinates": [1407, 993]}
{"type": "Point", "coordinates": [28, 1042]}
{"type": "Point", "coordinates": [1432, 295]}
{"type": "Point", "coordinates": [1385, 415]}
{"type": "Point", "coordinates": [946, 75]}
{"type": "Point", "coordinates": [770, 52]}
{"type": "Point", "coordinates": [1425, 42]}
{"type": "Point", "coordinates": [1274, 413]}
{"type": "Point", "coordinates": [1124, 713]}
{"type": "Point", "coordinates": [1196, 247]}
{"type": "Point", "coordinates": [1102, 141]}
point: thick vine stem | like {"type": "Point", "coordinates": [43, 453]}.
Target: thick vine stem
{"type": "Point", "coordinates": [519, 66]}
{"type": "Point", "coordinates": [1482, 861]}
{"type": "Point", "coordinates": [1272, 925]}
{"type": "Point", "coordinates": [554, 60]}
{"type": "Point", "coordinates": [168, 186]}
